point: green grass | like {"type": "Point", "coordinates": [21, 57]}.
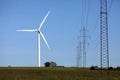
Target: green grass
{"type": "Point", "coordinates": [35, 73]}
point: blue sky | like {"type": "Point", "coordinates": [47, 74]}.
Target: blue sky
{"type": "Point", "coordinates": [61, 30]}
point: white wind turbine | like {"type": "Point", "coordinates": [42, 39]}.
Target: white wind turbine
{"type": "Point", "coordinates": [39, 33]}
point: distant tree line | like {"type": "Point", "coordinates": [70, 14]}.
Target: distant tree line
{"type": "Point", "coordinates": [51, 64]}
{"type": "Point", "coordinates": [110, 68]}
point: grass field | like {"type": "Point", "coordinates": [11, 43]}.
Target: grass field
{"type": "Point", "coordinates": [35, 73]}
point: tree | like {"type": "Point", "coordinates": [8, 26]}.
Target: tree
{"type": "Point", "coordinates": [53, 64]}
{"type": "Point", "coordinates": [92, 68]}
{"type": "Point", "coordinates": [110, 68]}
{"type": "Point", "coordinates": [118, 68]}
{"type": "Point", "coordinates": [47, 64]}
{"type": "Point", "coordinates": [50, 64]}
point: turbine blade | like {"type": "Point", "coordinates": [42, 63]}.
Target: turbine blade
{"type": "Point", "coordinates": [44, 19]}
{"type": "Point", "coordinates": [30, 30]}
{"type": "Point", "coordinates": [44, 40]}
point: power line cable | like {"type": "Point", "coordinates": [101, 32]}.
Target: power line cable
{"type": "Point", "coordinates": [87, 12]}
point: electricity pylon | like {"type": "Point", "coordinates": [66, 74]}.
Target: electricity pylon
{"type": "Point", "coordinates": [104, 51]}
{"type": "Point", "coordinates": [81, 49]}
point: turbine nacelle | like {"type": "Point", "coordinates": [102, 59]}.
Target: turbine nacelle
{"type": "Point", "coordinates": [38, 31]}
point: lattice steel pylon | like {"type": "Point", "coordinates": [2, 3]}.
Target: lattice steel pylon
{"type": "Point", "coordinates": [104, 51]}
{"type": "Point", "coordinates": [84, 47]}
{"type": "Point", "coordinates": [79, 53]}
{"type": "Point", "coordinates": [81, 48]}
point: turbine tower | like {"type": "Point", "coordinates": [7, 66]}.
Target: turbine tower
{"type": "Point", "coordinates": [39, 35]}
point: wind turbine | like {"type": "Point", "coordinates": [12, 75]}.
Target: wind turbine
{"type": "Point", "coordinates": [39, 35]}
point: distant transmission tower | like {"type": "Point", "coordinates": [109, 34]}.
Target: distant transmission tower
{"type": "Point", "coordinates": [84, 47]}
{"type": "Point", "coordinates": [81, 49]}
{"type": "Point", "coordinates": [79, 53]}
{"type": "Point", "coordinates": [104, 51]}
